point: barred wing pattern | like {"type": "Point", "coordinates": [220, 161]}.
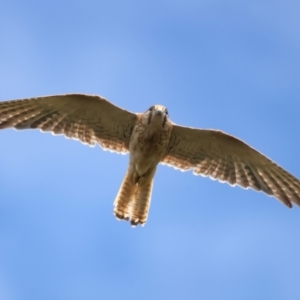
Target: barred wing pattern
{"type": "Point", "coordinates": [228, 159]}
{"type": "Point", "coordinates": [90, 119]}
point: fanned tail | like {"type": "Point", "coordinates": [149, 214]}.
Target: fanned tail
{"type": "Point", "coordinates": [133, 200]}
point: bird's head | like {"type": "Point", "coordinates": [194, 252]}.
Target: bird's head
{"type": "Point", "coordinates": [157, 114]}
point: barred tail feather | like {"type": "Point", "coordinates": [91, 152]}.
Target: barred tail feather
{"type": "Point", "coordinates": [141, 204]}
{"type": "Point", "coordinates": [133, 199]}
{"type": "Point", "coordinates": [125, 197]}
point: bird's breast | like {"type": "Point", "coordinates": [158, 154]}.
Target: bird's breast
{"type": "Point", "coordinates": [148, 146]}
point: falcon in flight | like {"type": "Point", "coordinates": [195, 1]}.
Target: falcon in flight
{"type": "Point", "coordinates": [150, 138]}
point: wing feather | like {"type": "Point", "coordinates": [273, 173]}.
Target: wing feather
{"type": "Point", "coordinates": [221, 156]}
{"type": "Point", "coordinates": [90, 119]}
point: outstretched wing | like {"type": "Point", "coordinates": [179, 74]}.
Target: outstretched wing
{"type": "Point", "coordinates": [90, 119]}
{"type": "Point", "coordinates": [228, 159]}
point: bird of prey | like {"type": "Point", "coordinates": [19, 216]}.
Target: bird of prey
{"type": "Point", "coordinates": [150, 138]}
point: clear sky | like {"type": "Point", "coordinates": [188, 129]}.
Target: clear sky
{"type": "Point", "coordinates": [229, 65]}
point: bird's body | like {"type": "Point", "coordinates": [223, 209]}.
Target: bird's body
{"type": "Point", "coordinates": [150, 138]}
{"type": "Point", "coordinates": [148, 145]}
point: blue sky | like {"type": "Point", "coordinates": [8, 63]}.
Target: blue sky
{"type": "Point", "coordinates": [230, 65]}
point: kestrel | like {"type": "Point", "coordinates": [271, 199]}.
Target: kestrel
{"type": "Point", "coordinates": [150, 138]}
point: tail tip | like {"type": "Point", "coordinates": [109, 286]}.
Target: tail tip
{"type": "Point", "coordinates": [121, 216]}
{"type": "Point", "coordinates": [133, 222]}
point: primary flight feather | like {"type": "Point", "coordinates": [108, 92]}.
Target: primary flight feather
{"type": "Point", "coordinates": [150, 138]}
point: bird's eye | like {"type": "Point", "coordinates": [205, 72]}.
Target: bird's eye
{"type": "Point", "coordinates": [167, 113]}
{"type": "Point", "coordinates": [151, 108]}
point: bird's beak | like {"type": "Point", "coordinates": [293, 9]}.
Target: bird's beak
{"type": "Point", "coordinates": [159, 112]}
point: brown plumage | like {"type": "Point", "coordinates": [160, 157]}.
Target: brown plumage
{"type": "Point", "coordinates": [150, 138]}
